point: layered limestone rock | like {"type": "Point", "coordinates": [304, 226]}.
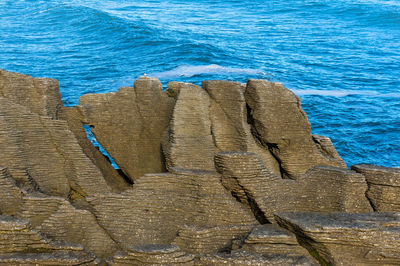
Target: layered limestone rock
{"type": "Point", "coordinates": [189, 143]}
{"type": "Point", "coordinates": [39, 95]}
{"type": "Point", "coordinates": [242, 258]}
{"type": "Point", "coordinates": [383, 186]}
{"type": "Point", "coordinates": [21, 245]}
{"type": "Point", "coordinates": [347, 239]}
{"type": "Point", "coordinates": [201, 240]}
{"type": "Point", "coordinates": [321, 189]}
{"type": "Point", "coordinates": [280, 124]}
{"type": "Point", "coordinates": [75, 123]}
{"type": "Point", "coordinates": [160, 205]}
{"type": "Point", "coordinates": [269, 239]}
{"type": "Point", "coordinates": [229, 120]}
{"type": "Point", "coordinates": [208, 165]}
{"type": "Point", "coordinates": [153, 254]}
{"type": "Point", "coordinates": [10, 194]}
{"type": "Point", "coordinates": [48, 151]}
{"type": "Point", "coordinates": [130, 123]}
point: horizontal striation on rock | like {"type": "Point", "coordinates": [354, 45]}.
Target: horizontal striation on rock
{"type": "Point", "coordinates": [321, 189]}
{"type": "Point", "coordinates": [159, 205]}
{"type": "Point", "coordinates": [130, 124]}
{"type": "Point", "coordinates": [39, 95]}
{"type": "Point", "coordinates": [189, 143]}
{"type": "Point", "coordinates": [153, 254]}
{"type": "Point", "coordinates": [10, 194]}
{"type": "Point", "coordinates": [280, 124]}
{"type": "Point", "coordinates": [22, 245]}
{"type": "Point", "coordinates": [383, 186]}
{"type": "Point", "coordinates": [201, 240]}
{"type": "Point", "coordinates": [346, 238]}
{"type": "Point", "coordinates": [48, 151]}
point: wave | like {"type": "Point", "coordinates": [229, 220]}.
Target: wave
{"type": "Point", "coordinates": [339, 93]}
{"type": "Point", "coordinates": [190, 71]}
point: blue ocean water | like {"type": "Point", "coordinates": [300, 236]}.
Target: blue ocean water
{"type": "Point", "coordinates": [341, 57]}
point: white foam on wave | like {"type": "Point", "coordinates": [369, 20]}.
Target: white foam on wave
{"type": "Point", "coordinates": [339, 93]}
{"type": "Point", "coordinates": [190, 71]}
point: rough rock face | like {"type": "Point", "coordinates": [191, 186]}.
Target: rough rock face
{"type": "Point", "coordinates": [321, 189]}
{"type": "Point", "coordinates": [280, 124]}
{"type": "Point", "coordinates": [269, 239]}
{"type": "Point", "coordinates": [159, 205]}
{"type": "Point", "coordinates": [130, 123]}
{"type": "Point", "coordinates": [209, 167]}
{"type": "Point", "coordinates": [189, 143]}
{"type": "Point", "coordinates": [48, 151]}
{"type": "Point", "coordinates": [229, 121]}
{"type": "Point", "coordinates": [347, 239]}
{"type": "Point", "coordinates": [383, 186]}
{"type": "Point", "coordinates": [153, 254]}
{"type": "Point", "coordinates": [39, 95]}
{"type": "Point", "coordinates": [21, 245]}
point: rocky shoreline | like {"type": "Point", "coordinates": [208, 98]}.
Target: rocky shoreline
{"type": "Point", "coordinates": [226, 173]}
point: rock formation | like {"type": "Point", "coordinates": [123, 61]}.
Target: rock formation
{"type": "Point", "coordinates": [225, 173]}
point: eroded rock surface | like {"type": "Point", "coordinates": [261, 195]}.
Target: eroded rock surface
{"type": "Point", "coordinates": [208, 165]}
{"type": "Point", "coordinates": [280, 124]}
{"type": "Point", "coordinates": [347, 239]}
{"type": "Point", "coordinates": [130, 123]}
{"type": "Point", "coordinates": [383, 186]}
{"type": "Point", "coordinates": [321, 189]}
{"type": "Point", "coordinates": [160, 205]}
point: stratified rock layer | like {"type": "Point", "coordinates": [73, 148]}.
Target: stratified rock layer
{"type": "Point", "coordinates": [347, 239]}
{"type": "Point", "coordinates": [321, 189]}
{"type": "Point", "coordinates": [21, 245]}
{"type": "Point", "coordinates": [383, 186]}
{"type": "Point", "coordinates": [189, 143]}
{"type": "Point", "coordinates": [48, 151]}
{"type": "Point", "coordinates": [130, 123]}
{"type": "Point", "coordinates": [208, 165]}
{"type": "Point", "coordinates": [280, 124]}
{"type": "Point", "coordinates": [159, 205]}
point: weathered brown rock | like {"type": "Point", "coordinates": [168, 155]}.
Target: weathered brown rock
{"type": "Point", "coordinates": [129, 124]}
{"type": "Point", "coordinates": [347, 239]}
{"type": "Point", "coordinates": [280, 124]}
{"type": "Point", "coordinates": [383, 186]}
{"type": "Point", "coordinates": [160, 205]}
{"type": "Point", "coordinates": [114, 179]}
{"type": "Point", "coordinates": [154, 254]}
{"type": "Point", "coordinates": [39, 95]}
{"type": "Point", "coordinates": [48, 151]}
{"type": "Point", "coordinates": [21, 245]}
{"type": "Point", "coordinates": [242, 257]}
{"type": "Point", "coordinates": [189, 143]}
{"type": "Point", "coordinates": [269, 239]}
{"type": "Point", "coordinates": [201, 240]}
{"type": "Point", "coordinates": [10, 194]}
{"type": "Point", "coordinates": [229, 121]}
{"type": "Point", "coordinates": [321, 189]}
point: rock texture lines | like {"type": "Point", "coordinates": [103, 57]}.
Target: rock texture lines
{"type": "Point", "coordinates": [222, 173]}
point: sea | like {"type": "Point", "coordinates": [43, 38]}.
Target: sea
{"type": "Point", "coordinates": [342, 58]}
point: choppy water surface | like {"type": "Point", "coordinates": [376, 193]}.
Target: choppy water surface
{"type": "Point", "coordinates": [341, 57]}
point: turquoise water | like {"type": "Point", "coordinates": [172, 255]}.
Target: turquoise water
{"type": "Point", "coordinates": [341, 57]}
